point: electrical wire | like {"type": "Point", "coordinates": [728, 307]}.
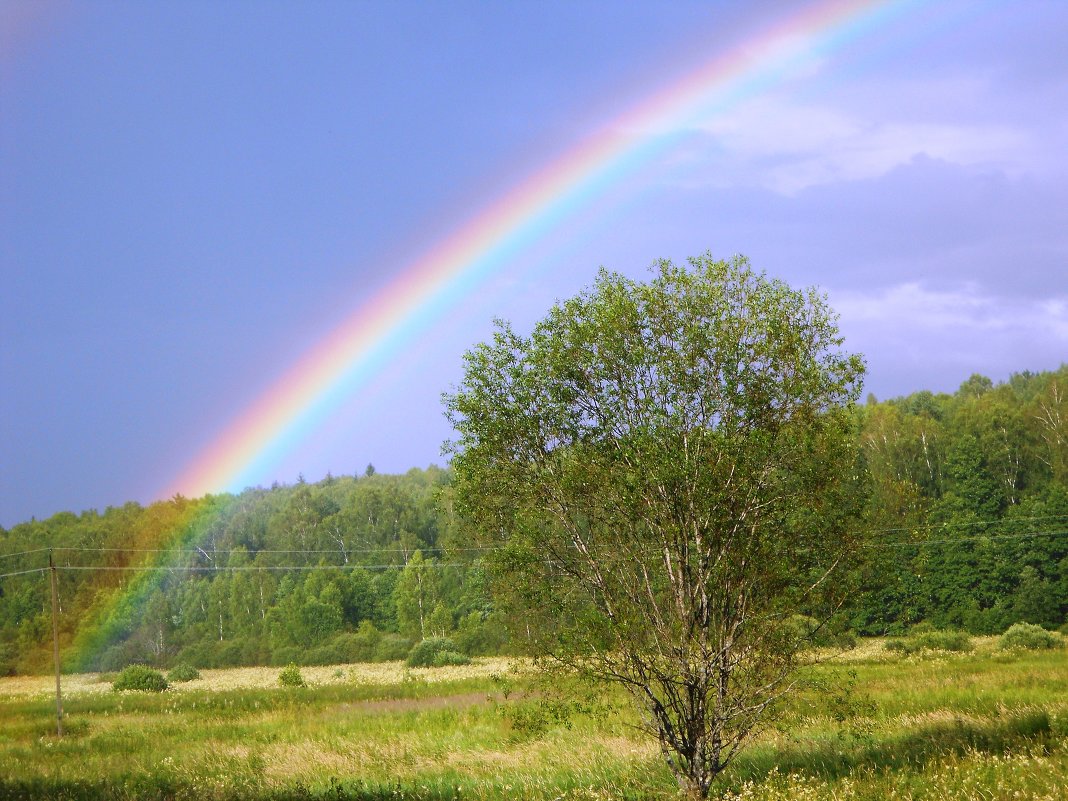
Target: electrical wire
{"type": "Point", "coordinates": [438, 565]}
{"type": "Point", "coordinates": [23, 553]}
{"type": "Point", "coordinates": [246, 568]}
{"type": "Point", "coordinates": [24, 572]}
{"type": "Point", "coordinates": [477, 549]}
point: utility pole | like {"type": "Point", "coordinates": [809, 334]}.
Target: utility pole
{"type": "Point", "coordinates": [55, 642]}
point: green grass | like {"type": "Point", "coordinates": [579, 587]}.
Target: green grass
{"type": "Point", "coordinates": [977, 725]}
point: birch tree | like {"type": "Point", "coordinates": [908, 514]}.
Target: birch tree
{"type": "Point", "coordinates": [663, 468]}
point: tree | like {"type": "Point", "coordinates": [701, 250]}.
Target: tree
{"type": "Point", "coordinates": [665, 468]}
{"type": "Point", "coordinates": [417, 593]}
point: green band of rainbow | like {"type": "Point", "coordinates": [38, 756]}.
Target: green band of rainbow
{"type": "Point", "coordinates": [429, 286]}
{"type": "Point", "coordinates": [354, 353]}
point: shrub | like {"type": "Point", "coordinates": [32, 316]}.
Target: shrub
{"type": "Point", "coordinates": [140, 677]}
{"type": "Point", "coordinates": [290, 677]}
{"type": "Point", "coordinates": [7, 659]}
{"type": "Point", "coordinates": [811, 633]}
{"type": "Point", "coordinates": [364, 642]}
{"type": "Point", "coordinates": [436, 652]}
{"type": "Point", "coordinates": [198, 655]}
{"type": "Point", "coordinates": [183, 672]}
{"type": "Point", "coordinates": [931, 640]}
{"type": "Point", "coordinates": [392, 647]}
{"type": "Point", "coordinates": [327, 654]}
{"type": "Point", "coordinates": [287, 655]}
{"type": "Point", "coordinates": [480, 634]}
{"type": "Point", "coordinates": [450, 658]}
{"type": "Point", "coordinates": [1028, 636]}
{"type": "Point", "coordinates": [844, 639]}
{"type": "Point", "coordinates": [119, 656]}
{"type": "Point", "coordinates": [226, 654]}
{"type": "Point", "coordinates": [943, 641]}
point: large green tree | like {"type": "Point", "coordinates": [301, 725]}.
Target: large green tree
{"type": "Point", "coordinates": [665, 467]}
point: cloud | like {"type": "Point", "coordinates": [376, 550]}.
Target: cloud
{"type": "Point", "coordinates": [916, 335]}
{"type": "Point", "coordinates": [784, 146]}
{"type": "Point", "coordinates": [966, 307]}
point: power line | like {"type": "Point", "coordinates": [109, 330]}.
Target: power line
{"type": "Point", "coordinates": [225, 568]}
{"type": "Point", "coordinates": [24, 572]}
{"type": "Point", "coordinates": [964, 524]}
{"type": "Point", "coordinates": [23, 553]}
{"type": "Point", "coordinates": [247, 568]}
{"type": "Point", "coordinates": [476, 549]}
{"type": "Point", "coordinates": [262, 550]}
{"type": "Point", "coordinates": [438, 565]}
{"type": "Point", "coordinates": [973, 538]}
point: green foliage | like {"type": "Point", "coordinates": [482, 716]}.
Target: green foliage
{"type": "Point", "coordinates": [809, 632]}
{"type": "Point", "coordinates": [391, 647]}
{"type": "Point", "coordinates": [291, 677]}
{"type": "Point", "coordinates": [140, 677]}
{"type": "Point", "coordinates": [1028, 637]}
{"type": "Point", "coordinates": [935, 463]}
{"type": "Point", "coordinates": [668, 468]}
{"type": "Point", "coordinates": [436, 652]}
{"type": "Point", "coordinates": [957, 641]}
{"type": "Point", "coordinates": [450, 659]}
{"type": "Point", "coordinates": [183, 672]}
{"type": "Point", "coordinates": [8, 659]}
{"type": "Point", "coordinates": [481, 634]}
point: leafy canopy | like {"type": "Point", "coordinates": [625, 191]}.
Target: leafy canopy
{"type": "Point", "coordinates": [665, 466]}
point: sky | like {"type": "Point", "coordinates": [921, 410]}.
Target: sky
{"type": "Point", "coordinates": [195, 195]}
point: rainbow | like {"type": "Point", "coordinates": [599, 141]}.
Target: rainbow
{"type": "Point", "coordinates": [358, 349]}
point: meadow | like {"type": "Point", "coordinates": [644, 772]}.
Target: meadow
{"type": "Point", "coordinates": [986, 724]}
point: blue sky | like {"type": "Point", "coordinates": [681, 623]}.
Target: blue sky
{"type": "Point", "coordinates": [193, 194]}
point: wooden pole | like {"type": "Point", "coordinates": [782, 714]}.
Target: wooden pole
{"type": "Point", "coordinates": [55, 643]}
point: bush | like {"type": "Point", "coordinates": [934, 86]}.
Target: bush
{"type": "Point", "coordinates": [808, 632]}
{"type": "Point", "coordinates": [480, 635]}
{"type": "Point", "coordinates": [183, 672]}
{"type": "Point", "coordinates": [328, 654]}
{"type": "Point", "coordinates": [1029, 637]}
{"type": "Point", "coordinates": [198, 655]}
{"type": "Point", "coordinates": [365, 641]}
{"type": "Point", "coordinates": [119, 656]}
{"type": "Point", "coordinates": [290, 677]}
{"type": "Point", "coordinates": [140, 677]}
{"type": "Point", "coordinates": [897, 645]}
{"type": "Point", "coordinates": [287, 655]}
{"type": "Point", "coordinates": [927, 639]}
{"type": "Point", "coordinates": [957, 641]}
{"type": "Point", "coordinates": [8, 657]}
{"type": "Point", "coordinates": [436, 652]}
{"type": "Point", "coordinates": [450, 658]}
{"type": "Point", "coordinates": [392, 647]}
{"type": "Point", "coordinates": [844, 639]}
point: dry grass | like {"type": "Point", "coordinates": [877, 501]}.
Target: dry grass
{"type": "Point", "coordinates": [250, 678]}
{"type": "Point", "coordinates": [944, 726]}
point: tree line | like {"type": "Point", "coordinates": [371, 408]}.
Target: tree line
{"type": "Point", "coordinates": [967, 494]}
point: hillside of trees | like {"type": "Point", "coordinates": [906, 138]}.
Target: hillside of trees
{"type": "Point", "coordinates": [967, 505]}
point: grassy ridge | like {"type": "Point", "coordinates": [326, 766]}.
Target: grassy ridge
{"type": "Point", "coordinates": [980, 725]}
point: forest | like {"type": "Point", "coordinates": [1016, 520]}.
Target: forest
{"type": "Point", "coordinates": [965, 505]}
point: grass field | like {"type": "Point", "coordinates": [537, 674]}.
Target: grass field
{"type": "Point", "coordinates": [983, 725]}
